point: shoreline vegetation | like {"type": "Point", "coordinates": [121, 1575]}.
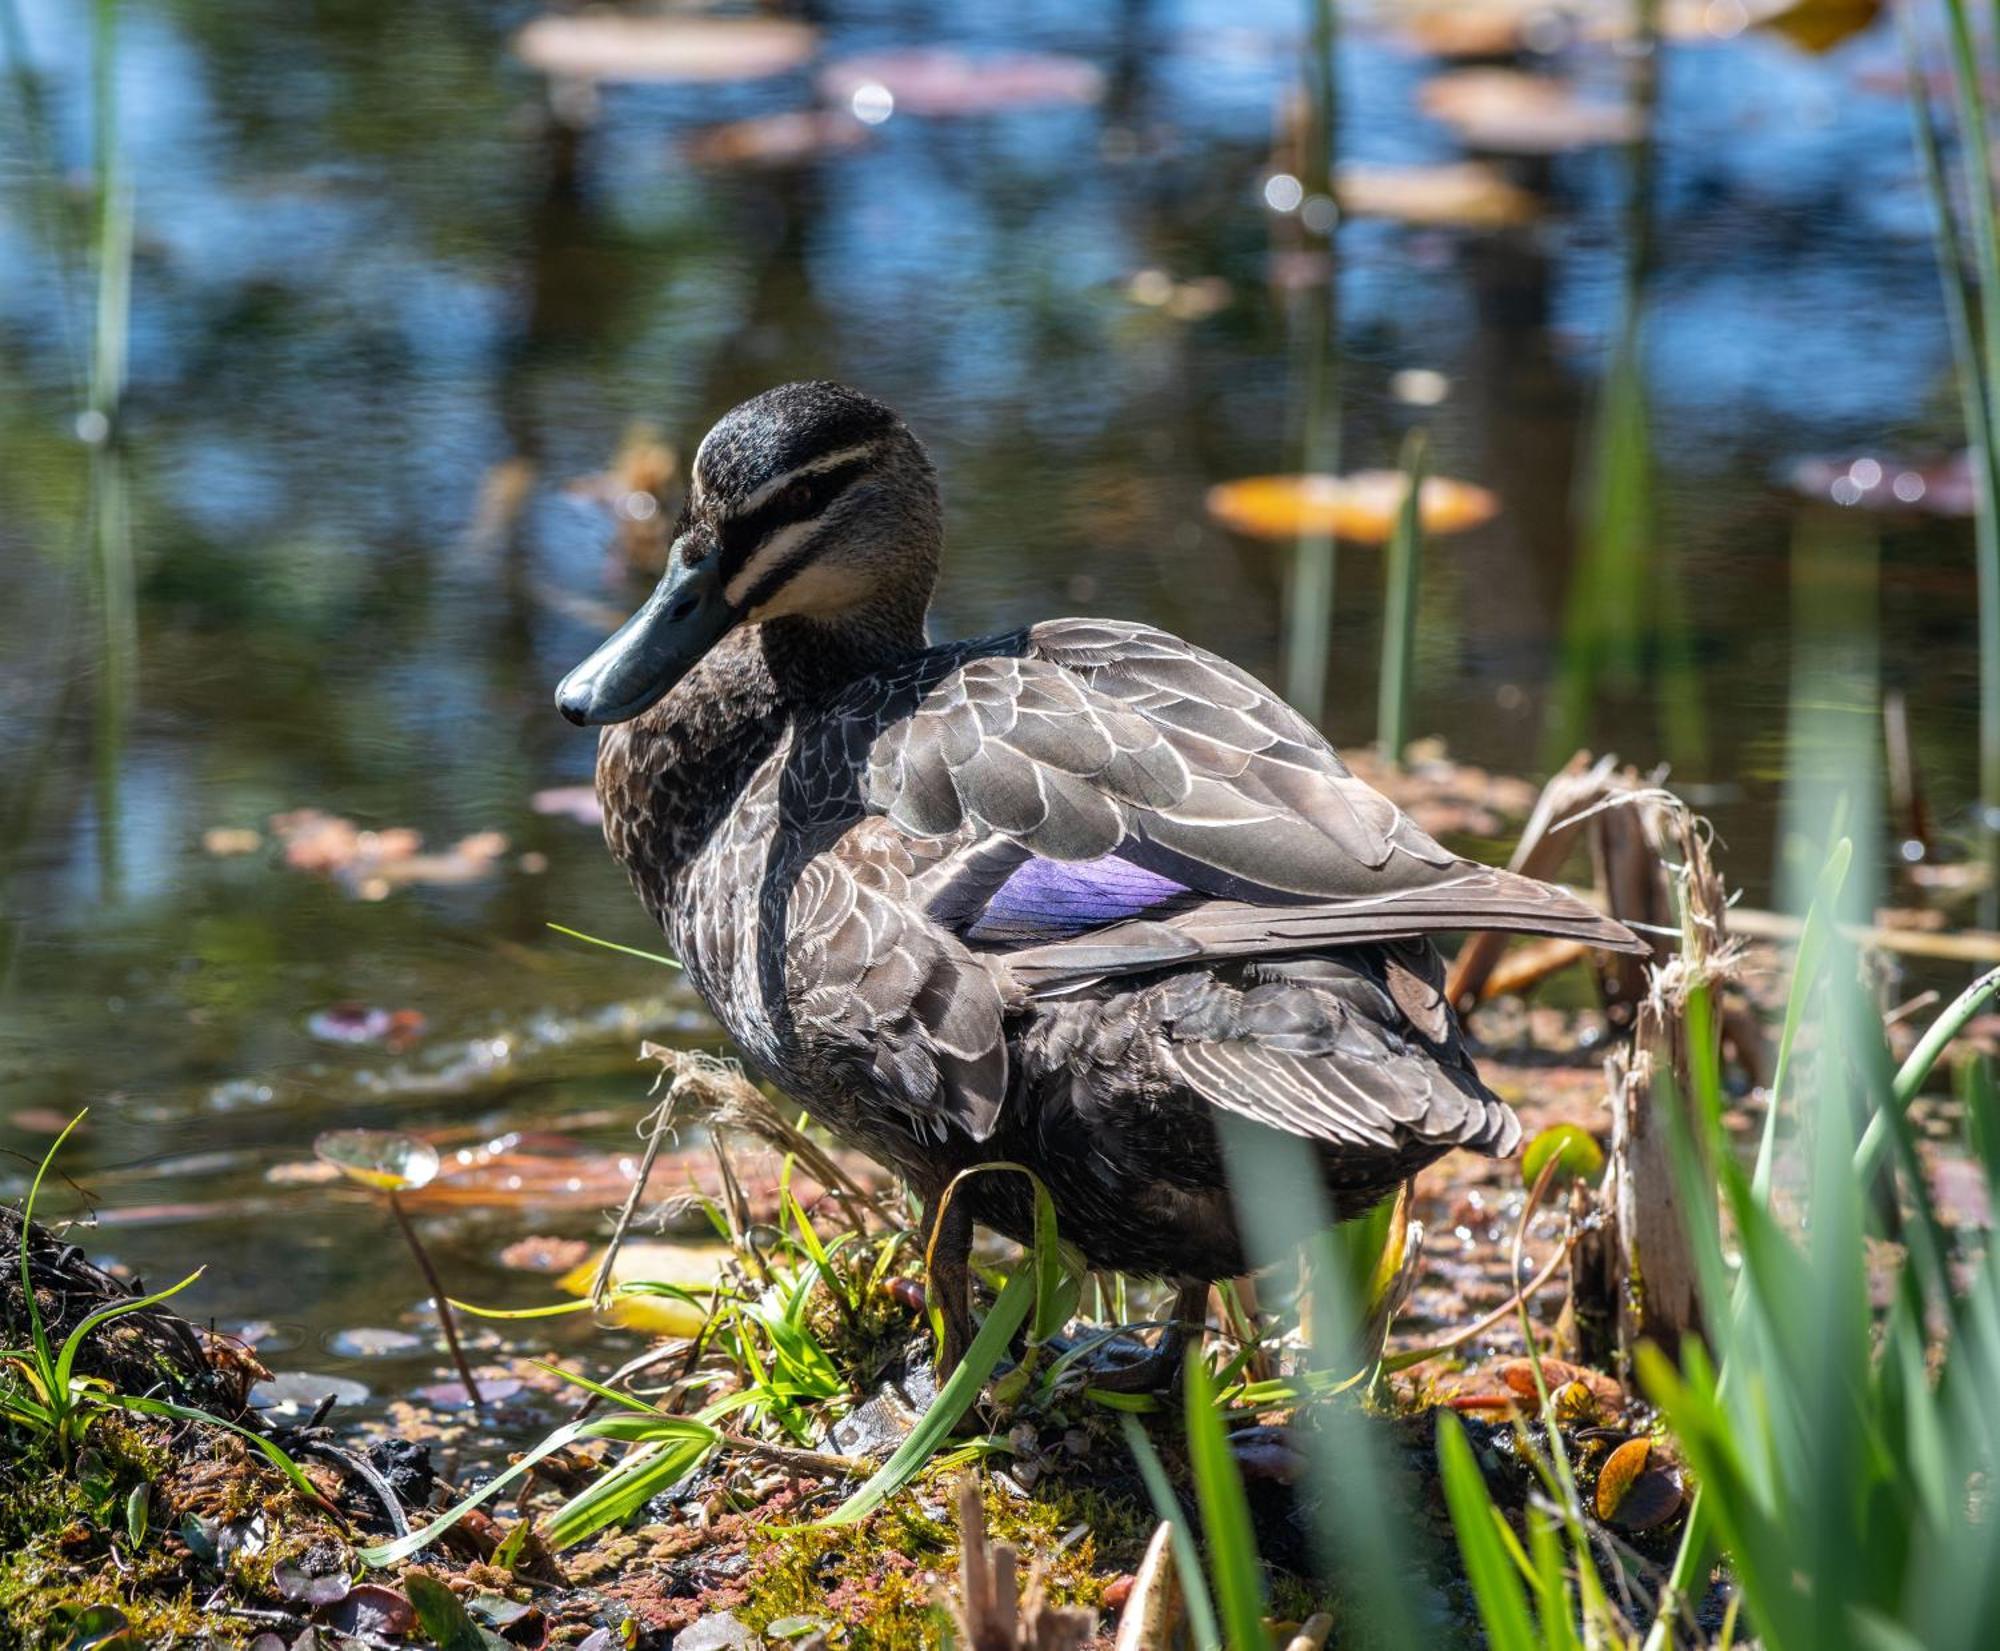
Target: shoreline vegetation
{"type": "Point", "coordinates": [780, 1470]}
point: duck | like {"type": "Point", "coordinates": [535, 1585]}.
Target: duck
{"type": "Point", "coordinates": [1078, 897]}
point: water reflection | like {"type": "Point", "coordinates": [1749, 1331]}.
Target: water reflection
{"type": "Point", "coordinates": [383, 277]}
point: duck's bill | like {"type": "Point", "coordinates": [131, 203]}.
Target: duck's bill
{"type": "Point", "coordinates": [639, 662]}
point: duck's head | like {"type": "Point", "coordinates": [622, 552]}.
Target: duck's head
{"type": "Point", "coordinates": [809, 504]}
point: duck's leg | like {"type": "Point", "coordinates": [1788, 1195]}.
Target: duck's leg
{"type": "Point", "coordinates": [948, 1277]}
{"type": "Point", "coordinates": [1161, 1368]}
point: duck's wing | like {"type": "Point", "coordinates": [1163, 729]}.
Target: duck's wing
{"type": "Point", "coordinates": [870, 979]}
{"type": "Point", "coordinates": [1132, 800]}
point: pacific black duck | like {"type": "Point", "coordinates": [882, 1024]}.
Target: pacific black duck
{"type": "Point", "coordinates": [1063, 896]}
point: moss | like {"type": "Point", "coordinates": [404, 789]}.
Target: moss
{"type": "Point", "coordinates": [876, 1583]}
{"type": "Point", "coordinates": [65, 1545]}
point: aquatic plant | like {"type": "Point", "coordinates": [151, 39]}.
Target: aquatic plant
{"type": "Point", "coordinates": [390, 1163]}
{"type": "Point", "coordinates": [42, 1390]}
{"type": "Point", "coordinates": [1975, 338]}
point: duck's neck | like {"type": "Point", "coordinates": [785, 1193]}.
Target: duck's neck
{"type": "Point", "coordinates": [669, 779]}
{"type": "Point", "coordinates": [811, 660]}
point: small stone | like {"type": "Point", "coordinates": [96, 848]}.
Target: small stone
{"type": "Point", "coordinates": [717, 1632]}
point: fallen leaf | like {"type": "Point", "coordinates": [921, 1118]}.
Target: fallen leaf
{"type": "Point", "coordinates": [543, 1254]}
{"type": "Point", "coordinates": [1818, 26]}
{"type": "Point", "coordinates": [1633, 1491]}
{"type": "Point", "coordinates": [1519, 1375]}
{"type": "Point", "coordinates": [370, 1608]}
{"type": "Point", "coordinates": [1464, 194]}
{"type": "Point", "coordinates": [776, 140]}
{"type": "Point", "coordinates": [364, 1023]}
{"type": "Point", "coordinates": [614, 46]}
{"type": "Point", "coordinates": [1360, 508]}
{"type": "Point", "coordinates": [1883, 482]}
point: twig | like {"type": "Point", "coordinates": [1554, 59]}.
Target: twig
{"type": "Point", "coordinates": [655, 1127]}
{"type": "Point", "coordinates": [801, 1461]}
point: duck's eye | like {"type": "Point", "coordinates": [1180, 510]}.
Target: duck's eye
{"type": "Point", "coordinates": [798, 498]}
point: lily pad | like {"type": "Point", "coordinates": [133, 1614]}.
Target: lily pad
{"type": "Point", "coordinates": [1462, 195]}
{"type": "Point", "coordinates": [936, 81]}
{"type": "Point", "coordinates": [614, 46]}
{"type": "Point", "coordinates": [1361, 508]}
{"type": "Point", "coordinates": [691, 1267]}
{"type": "Point", "coordinates": [384, 1159]}
{"type": "Point", "coordinates": [1507, 112]}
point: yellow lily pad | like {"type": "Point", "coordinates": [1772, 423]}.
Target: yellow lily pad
{"type": "Point", "coordinates": [1361, 508]}
{"type": "Point", "coordinates": [692, 1267]}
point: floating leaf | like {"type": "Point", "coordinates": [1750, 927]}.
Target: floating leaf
{"type": "Point", "coordinates": [363, 1342]}
{"type": "Point", "coordinates": [1504, 111]}
{"type": "Point", "coordinates": [383, 1159]}
{"type": "Point", "coordinates": [614, 46]}
{"type": "Point", "coordinates": [1463, 195]}
{"type": "Point", "coordinates": [1572, 1149]}
{"type": "Point", "coordinates": [934, 80]}
{"type": "Point", "coordinates": [1360, 508]}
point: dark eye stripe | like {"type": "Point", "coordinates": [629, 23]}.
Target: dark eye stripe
{"type": "Point", "coordinates": [743, 534]}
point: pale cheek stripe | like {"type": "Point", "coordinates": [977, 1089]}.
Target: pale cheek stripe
{"type": "Point", "coordinates": [768, 555]}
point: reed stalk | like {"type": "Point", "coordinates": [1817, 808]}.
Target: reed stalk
{"type": "Point", "coordinates": [1399, 609]}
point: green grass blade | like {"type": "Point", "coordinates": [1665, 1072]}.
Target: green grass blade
{"type": "Point", "coordinates": [613, 946]}
{"type": "Point", "coordinates": [38, 1332]}
{"type": "Point", "coordinates": [272, 1452]}
{"type": "Point", "coordinates": [1187, 1560]}
{"type": "Point", "coordinates": [1917, 1067]}
{"type": "Point", "coordinates": [73, 1343]}
{"type": "Point", "coordinates": [673, 1449]}
{"type": "Point", "coordinates": [1813, 941]}
{"type": "Point", "coordinates": [1496, 1584]}
{"type": "Point", "coordinates": [1008, 1313]}
{"type": "Point", "coordinates": [1225, 1515]}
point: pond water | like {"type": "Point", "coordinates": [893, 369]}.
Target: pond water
{"type": "Point", "coordinates": [389, 303]}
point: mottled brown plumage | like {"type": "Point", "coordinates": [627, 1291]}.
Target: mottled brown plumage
{"type": "Point", "coordinates": [1066, 896]}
